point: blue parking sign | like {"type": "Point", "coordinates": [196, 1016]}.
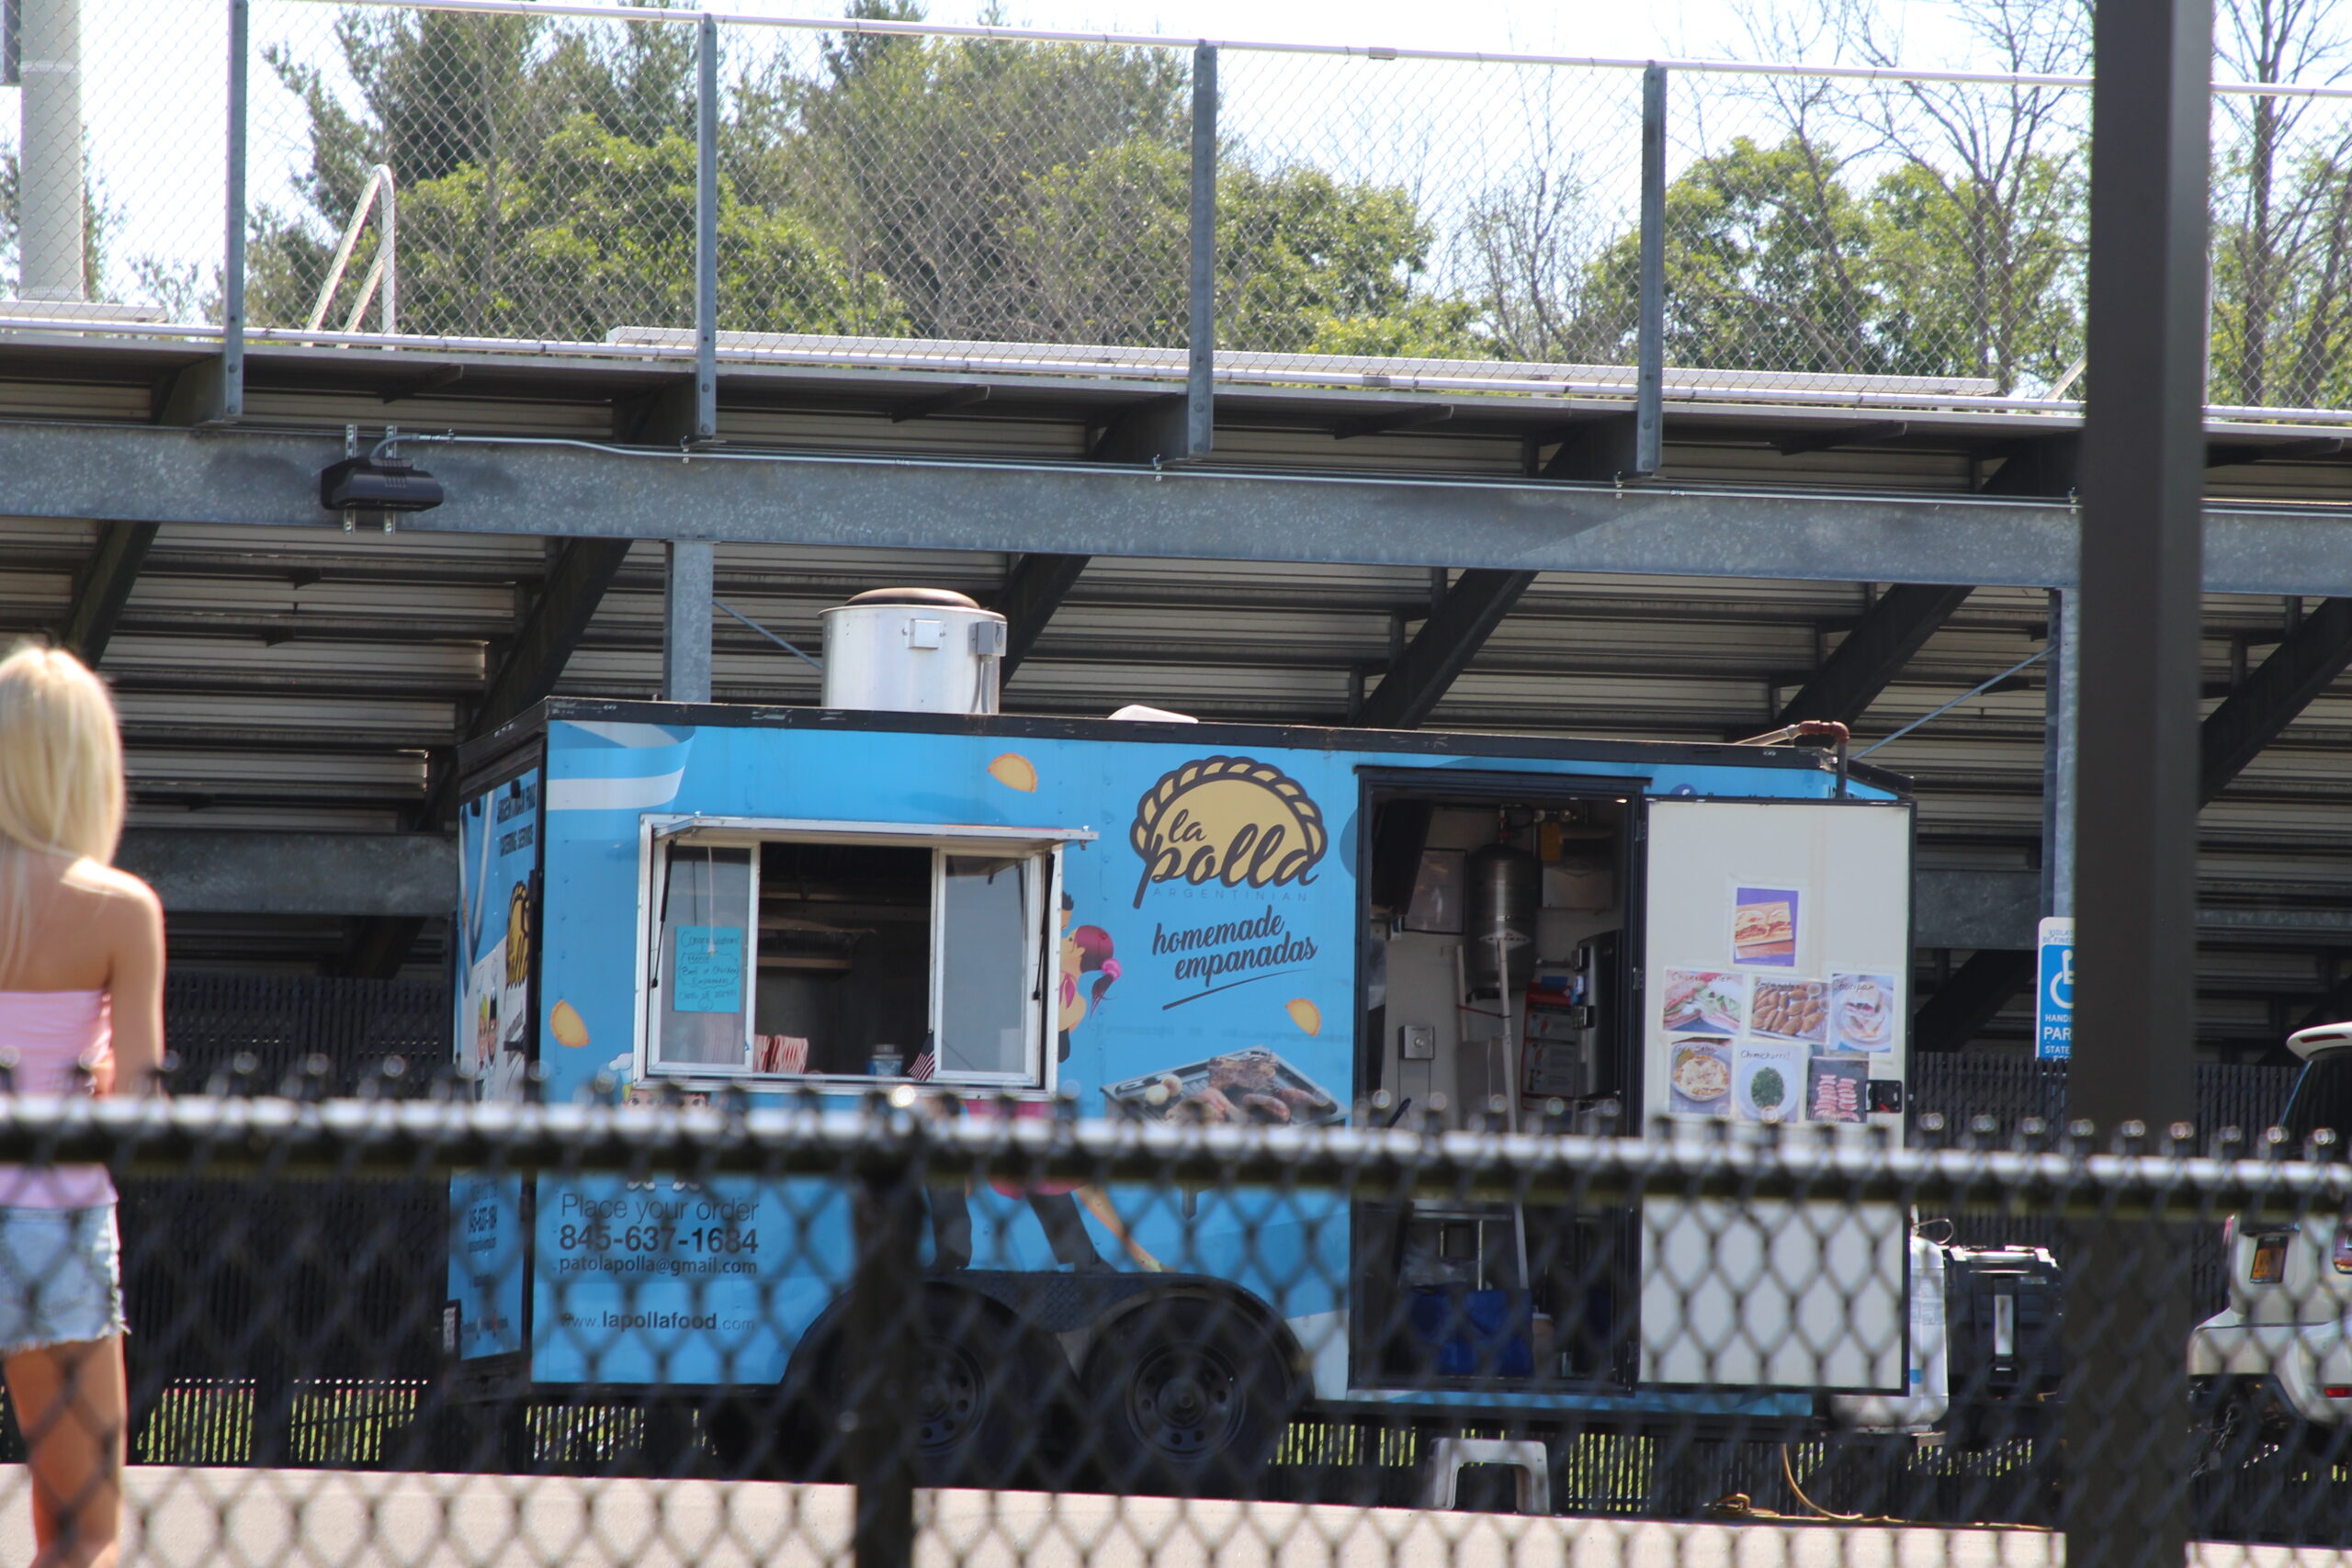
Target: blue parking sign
{"type": "Point", "coordinates": [2053, 992]}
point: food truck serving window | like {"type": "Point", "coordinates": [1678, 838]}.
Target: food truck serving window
{"type": "Point", "coordinates": [840, 951]}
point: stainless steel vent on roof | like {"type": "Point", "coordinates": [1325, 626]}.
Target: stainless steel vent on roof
{"type": "Point", "coordinates": [913, 651]}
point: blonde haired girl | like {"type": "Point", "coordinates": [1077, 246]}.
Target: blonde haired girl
{"type": "Point", "coordinates": [82, 1010]}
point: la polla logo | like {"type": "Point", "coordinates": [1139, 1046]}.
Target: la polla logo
{"type": "Point", "coordinates": [1229, 819]}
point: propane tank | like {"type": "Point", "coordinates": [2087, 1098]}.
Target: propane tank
{"type": "Point", "coordinates": [1505, 890]}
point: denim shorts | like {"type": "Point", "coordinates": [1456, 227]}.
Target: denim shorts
{"type": "Point", "coordinates": [60, 1277]}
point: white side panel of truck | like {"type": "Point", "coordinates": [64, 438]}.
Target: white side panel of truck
{"type": "Point", "coordinates": [1775, 989]}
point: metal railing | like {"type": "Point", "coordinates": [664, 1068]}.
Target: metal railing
{"type": "Point", "coordinates": [585, 179]}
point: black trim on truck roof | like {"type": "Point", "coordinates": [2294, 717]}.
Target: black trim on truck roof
{"type": "Point", "coordinates": [1633, 754]}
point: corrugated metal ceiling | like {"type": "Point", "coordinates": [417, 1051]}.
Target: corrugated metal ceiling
{"type": "Point", "coordinates": [277, 679]}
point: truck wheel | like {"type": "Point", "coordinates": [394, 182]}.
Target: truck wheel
{"type": "Point", "coordinates": [984, 1388]}
{"type": "Point", "coordinates": [1184, 1398]}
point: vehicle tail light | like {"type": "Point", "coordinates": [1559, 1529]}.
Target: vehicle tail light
{"type": "Point", "coordinates": [2341, 1253]}
{"type": "Point", "coordinates": [2269, 1264]}
{"type": "Point", "coordinates": [2337, 1391]}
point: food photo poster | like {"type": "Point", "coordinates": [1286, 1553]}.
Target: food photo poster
{"type": "Point", "coordinates": [1699, 1073]}
{"type": "Point", "coordinates": [1862, 1011]}
{"type": "Point", "coordinates": [1769, 1081]}
{"type": "Point", "coordinates": [1705, 1002]}
{"type": "Point", "coordinates": [1764, 927]}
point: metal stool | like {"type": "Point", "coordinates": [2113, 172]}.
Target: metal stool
{"type": "Point", "coordinates": [1527, 1455]}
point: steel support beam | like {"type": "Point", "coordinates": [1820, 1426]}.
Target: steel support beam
{"type": "Point", "coordinates": [202, 872]}
{"type": "Point", "coordinates": [685, 622]}
{"type": "Point", "coordinates": [1649, 344]}
{"type": "Point", "coordinates": [584, 570]}
{"type": "Point", "coordinates": [2251, 717]}
{"type": "Point", "coordinates": [1964, 1004]}
{"type": "Point", "coordinates": [706, 408]}
{"type": "Point", "coordinates": [1892, 631]}
{"type": "Point", "coordinates": [270, 479]}
{"type": "Point", "coordinates": [1200, 320]}
{"type": "Point", "coordinates": [1874, 652]}
{"type": "Point", "coordinates": [1458, 628]}
{"type": "Point", "coordinates": [2142, 477]}
{"type": "Point", "coordinates": [105, 588]}
{"type": "Point", "coordinates": [2127, 1300]}
{"type": "Point", "coordinates": [1033, 591]}
{"type": "Point", "coordinates": [2061, 726]}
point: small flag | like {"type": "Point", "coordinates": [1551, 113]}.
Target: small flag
{"type": "Point", "coordinates": [925, 1065]}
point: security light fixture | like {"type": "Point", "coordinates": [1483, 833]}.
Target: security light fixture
{"type": "Point", "coordinates": [377, 483]}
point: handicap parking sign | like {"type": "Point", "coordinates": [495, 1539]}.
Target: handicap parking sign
{"type": "Point", "coordinates": [2053, 994]}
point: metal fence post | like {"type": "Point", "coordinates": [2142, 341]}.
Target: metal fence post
{"type": "Point", "coordinates": [1649, 361]}
{"type": "Point", "coordinates": [232, 269]}
{"type": "Point", "coordinates": [1200, 387]}
{"type": "Point", "coordinates": [885, 1299]}
{"type": "Point", "coordinates": [706, 230]}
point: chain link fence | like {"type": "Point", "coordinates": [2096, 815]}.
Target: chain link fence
{"type": "Point", "coordinates": [1003, 199]}
{"type": "Point", "coordinates": [427, 1331]}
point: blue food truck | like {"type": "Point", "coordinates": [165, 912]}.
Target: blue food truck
{"type": "Point", "coordinates": [1195, 922]}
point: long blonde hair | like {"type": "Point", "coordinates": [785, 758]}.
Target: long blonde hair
{"type": "Point", "coordinates": [61, 775]}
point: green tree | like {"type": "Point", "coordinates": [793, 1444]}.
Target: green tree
{"type": "Point", "coordinates": [894, 185]}
{"type": "Point", "coordinates": [1979, 282]}
{"type": "Point", "coordinates": [546, 187]}
{"type": "Point", "coordinates": [1306, 263]}
{"type": "Point", "coordinates": [1767, 267]}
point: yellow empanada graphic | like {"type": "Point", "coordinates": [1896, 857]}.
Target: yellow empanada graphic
{"type": "Point", "coordinates": [568, 1027]}
{"type": "Point", "coordinates": [1014, 771]}
{"type": "Point", "coordinates": [1305, 1014]}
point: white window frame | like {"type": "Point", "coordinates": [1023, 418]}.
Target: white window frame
{"type": "Point", "coordinates": [657, 834]}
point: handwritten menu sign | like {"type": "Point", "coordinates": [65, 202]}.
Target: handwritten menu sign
{"type": "Point", "coordinates": [708, 975]}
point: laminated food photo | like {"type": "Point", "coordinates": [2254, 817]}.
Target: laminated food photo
{"type": "Point", "coordinates": [1704, 1001]}
{"type": "Point", "coordinates": [1839, 1090]}
{"type": "Point", "coordinates": [1699, 1072]}
{"type": "Point", "coordinates": [1764, 927]}
{"type": "Point", "coordinates": [1769, 1081]}
{"type": "Point", "coordinates": [1790, 1009]}
{"type": "Point", "coordinates": [1862, 1011]}
{"type": "Point", "coordinates": [1250, 1088]}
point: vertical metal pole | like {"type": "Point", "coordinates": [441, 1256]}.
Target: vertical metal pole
{"type": "Point", "coordinates": [49, 240]}
{"type": "Point", "coordinates": [707, 232]}
{"type": "Point", "coordinates": [685, 622]}
{"type": "Point", "coordinates": [1200, 386]}
{"type": "Point", "coordinates": [1649, 355]}
{"type": "Point", "coordinates": [2143, 484]}
{"type": "Point", "coordinates": [885, 1295]}
{"type": "Point", "coordinates": [233, 239]}
{"type": "Point", "coordinates": [2058, 722]}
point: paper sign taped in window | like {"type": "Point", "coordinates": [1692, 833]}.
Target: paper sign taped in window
{"type": "Point", "coordinates": [707, 976]}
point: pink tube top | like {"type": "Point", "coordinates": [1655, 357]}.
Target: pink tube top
{"type": "Point", "coordinates": [51, 1032]}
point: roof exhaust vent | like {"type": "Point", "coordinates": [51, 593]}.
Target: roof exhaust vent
{"type": "Point", "coordinates": [913, 651]}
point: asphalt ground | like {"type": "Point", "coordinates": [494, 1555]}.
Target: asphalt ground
{"type": "Point", "coordinates": [369, 1519]}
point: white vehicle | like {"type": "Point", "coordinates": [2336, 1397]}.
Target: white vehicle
{"type": "Point", "coordinates": [2275, 1364]}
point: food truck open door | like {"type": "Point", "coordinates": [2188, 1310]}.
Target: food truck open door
{"type": "Point", "coordinates": [1775, 988]}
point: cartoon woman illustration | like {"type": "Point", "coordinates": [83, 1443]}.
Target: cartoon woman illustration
{"type": "Point", "coordinates": [1086, 950]}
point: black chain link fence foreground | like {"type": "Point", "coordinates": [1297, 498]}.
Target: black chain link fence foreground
{"type": "Point", "coordinates": [429, 1330]}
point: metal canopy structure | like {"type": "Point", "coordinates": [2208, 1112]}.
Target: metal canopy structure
{"type": "Point", "coordinates": [1195, 514]}
{"type": "Point", "coordinates": [282, 675]}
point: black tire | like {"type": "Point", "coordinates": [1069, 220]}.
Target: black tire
{"type": "Point", "coordinates": [984, 1392]}
{"type": "Point", "coordinates": [1184, 1397]}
